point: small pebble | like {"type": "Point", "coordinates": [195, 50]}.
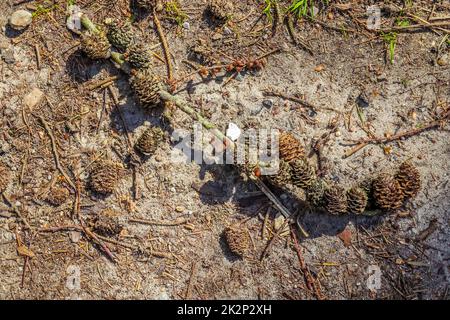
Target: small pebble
{"type": "Point", "coordinates": [186, 25]}
{"type": "Point", "coordinates": [33, 98]}
{"type": "Point", "coordinates": [179, 209]}
{"type": "Point", "coordinates": [227, 31]}
{"type": "Point", "coordinates": [443, 61]}
{"type": "Point", "coordinates": [8, 56]}
{"type": "Point", "coordinates": [20, 19]}
{"type": "Point", "coordinates": [363, 100]}
{"type": "Point", "coordinates": [268, 103]}
{"type": "Point", "coordinates": [75, 236]}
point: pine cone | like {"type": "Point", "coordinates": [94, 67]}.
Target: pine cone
{"type": "Point", "coordinates": [387, 192]}
{"type": "Point", "coordinates": [5, 178]}
{"type": "Point", "coordinates": [303, 173]}
{"type": "Point", "coordinates": [315, 193]}
{"type": "Point", "coordinates": [290, 148]}
{"type": "Point", "coordinates": [220, 10]}
{"type": "Point", "coordinates": [335, 200]}
{"type": "Point", "coordinates": [409, 179]}
{"type": "Point", "coordinates": [283, 176]}
{"type": "Point", "coordinates": [149, 140]}
{"type": "Point", "coordinates": [58, 195]}
{"type": "Point", "coordinates": [238, 240]}
{"type": "Point", "coordinates": [95, 45]}
{"type": "Point", "coordinates": [105, 176]}
{"type": "Point", "coordinates": [146, 86]}
{"type": "Point", "coordinates": [138, 56]}
{"type": "Point", "coordinates": [120, 35]}
{"type": "Point", "coordinates": [356, 200]}
{"type": "Point", "coordinates": [106, 223]}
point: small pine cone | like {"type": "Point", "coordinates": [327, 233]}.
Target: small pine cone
{"type": "Point", "coordinates": [105, 176]}
{"type": "Point", "coordinates": [238, 240]}
{"type": "Point", "coordinates": [290, 147]}
{"type": "Point", "coordinates": [409, 179]}
{"type": "Point", "coordinates": [58, 195]}
{"type": "Point", "coordinates": [149, 141]}
{"type": "Point", "coordinates": [5, 178]}
{"type": "Point", "coordinates": [283, 176]}
{"type": "Point", "coordinates": [220, 10]}
{"type": "Point", "coordinates": [315, 193]}
{"type": "Point", "coordinates": [356, 200]}
{"type": "Point", "coordinates": [95, 45]}
{"type": "Point", "coordinates": [138, 56]}
{"type": "Point", "coordinates": [106, 223]}
{"type": "Point", "coordinates": [387, 192]}
{"type": "Point", "coordinates": [146, 86]}
{"type": "Point", "coordinates": [335, 200]}
{"type": "Point", "coordinates": [120, 35]}
{"type": "Point", "coordinates": [303, 173]}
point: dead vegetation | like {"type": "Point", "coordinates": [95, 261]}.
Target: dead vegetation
{"type": "Point", "coordinates": [165, 238]}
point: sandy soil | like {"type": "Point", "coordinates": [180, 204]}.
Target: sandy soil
{"type": "Point", "coordinates": [191, 260]}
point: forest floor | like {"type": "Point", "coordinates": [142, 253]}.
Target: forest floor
{"type": "Point", "coordinates": [358, 83]}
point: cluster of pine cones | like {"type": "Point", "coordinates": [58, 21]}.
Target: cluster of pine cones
{"type": "Point", "coordinates": [386, 192]}
{"type": "Point", "coordinates": [97, 44]}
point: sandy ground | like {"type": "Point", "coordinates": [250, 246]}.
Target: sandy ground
{"type": "Point", "coordinates": [409, 248]}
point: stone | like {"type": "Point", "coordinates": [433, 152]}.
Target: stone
{"type": "Point", "coordinates": [268, 103]}
{"type": "Point", "coordinates": [186, 25]}
{"type": "Point", "coordinates": [20, 19]}
{"type": "Point", "coordinates": [363, 100]}
{"type": "Point", "coordinates": [443, 60]}
{"type": "Point", "coordinates": [227, 31]}
{"type": "Point", "coordinates": [8, 56]}
{"type": "Point", "coordinates": [33, 98]}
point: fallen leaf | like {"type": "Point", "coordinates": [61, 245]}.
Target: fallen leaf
{"type": "Point", "coordinates": [346, 237]}
{"type": "Point", "coordinates": [25, 252]}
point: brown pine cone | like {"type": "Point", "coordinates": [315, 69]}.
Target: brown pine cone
{"type": "Point", "coordinates": [387, 192]}
{"type": "Point", "coordinates": [356, 200]}
{"type": "Point", "coordinates": [138, 56]}
{"type": "Point", "coordinates": [149, 141]}
{"type": "Point", "coordinates": [315, 193]}
{"type": "Point", "coordinates": [58, 195]}
{"type": "Point", "coordinates": [238, 240]}
{"type": "Point", "coordinates": [106, 223]}
{"type": "Point", "coordinates": [290, 147]}
{"type": "Point", "coordinates": [104, 176]}
{"type": "Point", "coordinates": [409, 179]}
{"type": "Point", "coordinates": [283, 176]}
{"type": "Point", "coordinates": [335, 200]}
{"type": "Point", "coordinates": [120, 34]}
{"type": "Point", "coordinates": [220, 10]}
{"type": "Point", "coordinates": [95, 45]}
{"type": "Point", "coordinates": [146, 86]}
{"type": "Point", "coordinates": [5, 178]}
{"type": "Point", "coordinates": [303, 173]}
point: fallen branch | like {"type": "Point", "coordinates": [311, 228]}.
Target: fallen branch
{"type": "Point", "coordinates": [305, 103]}
{"type": "Point", "coordinates": [176, 222]}
{"type": "Point", "coordinates": [55, 153]}
{"type": "Point", "coordinates": [164, 46]}
{"type": "Point", "coordinates": [185, 107]}
{"type": "Point", "coordinates": [407, 134]}
{"type": "Point", "coordinates": [309, 279]}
